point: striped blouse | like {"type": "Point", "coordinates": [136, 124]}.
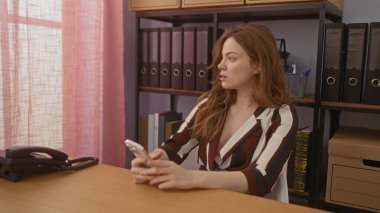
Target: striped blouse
{"type": "Point", "coordinates": [260, 148]}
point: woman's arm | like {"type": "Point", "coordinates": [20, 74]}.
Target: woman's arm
{"type": "Point", "coordinates": [167, 175]}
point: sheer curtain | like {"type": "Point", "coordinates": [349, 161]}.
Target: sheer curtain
{"type": "Point", "coordinates": [61, 78]}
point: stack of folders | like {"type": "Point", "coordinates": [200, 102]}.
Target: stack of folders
{"type": "Point", "coordinates": [175, 58]}
{"type": "Point", "coordinates": [298, 164]}
{"type": "Point", "coordinates": [155, 128]}
{"type": "Point", "coordinates": [351, 68]}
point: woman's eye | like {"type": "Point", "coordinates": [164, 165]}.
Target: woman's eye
{"type": "Point", "coordinates": [232, 59]}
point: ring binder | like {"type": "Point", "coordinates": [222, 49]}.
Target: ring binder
{"type": "Point", "coordinates": [354, 69]}
{"type": "Point", "coordinates": [333, 61]}
{"type": "Point", "coordinates": [177, 55]}
{"type": "Point", "coordinates": [189, 58]}
{"type": "Point", "coordinates": [372, 82]}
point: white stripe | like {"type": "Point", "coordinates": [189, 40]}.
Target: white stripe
{"type": "Point", "coordinates": [248, 124]}
{"type": "Point", "coordinates": [191, 115]}
{"type": "Point", "coordinates": [276, 139]}
{"type": "Point", "coordinates": [200, 162]}
{"type": "Point", "coordinates": [207, 153]}
{"type": "Point", "coordinates": [265, 124]}
{"type": "Point", "coordinates": [226, 163]}
{"type": "Point", "coordinates": [187, 147]}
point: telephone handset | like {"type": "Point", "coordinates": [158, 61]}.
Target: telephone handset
{"type": "Point", "coordinates": [19, 160]}
{"type": "Point", "coordinates": [18, 152]}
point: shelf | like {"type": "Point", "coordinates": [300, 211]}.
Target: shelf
{"type": "Point", "coordinates": [246, 12]}
{"type": "Point", "coordinates": [307, 101]}
{"type": "Point", "coordinates": [170, 91]}
{"type": "Point", "coordinates": [352, 107]}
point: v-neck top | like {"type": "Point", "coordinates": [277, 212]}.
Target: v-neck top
{"type": "Point", "coordinates": [259, 148]}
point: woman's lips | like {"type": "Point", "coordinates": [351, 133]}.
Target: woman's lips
{"type": "Point", "coordinates": [223, 77]}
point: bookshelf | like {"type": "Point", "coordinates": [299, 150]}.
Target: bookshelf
{"type": "Point", "coordinates": [319, 10]}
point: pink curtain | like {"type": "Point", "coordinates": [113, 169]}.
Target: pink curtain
{"type": "Point", "coordinates": [62, 76]}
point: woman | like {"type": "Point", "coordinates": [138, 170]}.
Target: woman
{"type": "Point", "coordinates": [243, 126]}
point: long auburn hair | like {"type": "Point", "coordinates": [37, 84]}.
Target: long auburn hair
{"type": "Point", "coordinates": [268, 86]}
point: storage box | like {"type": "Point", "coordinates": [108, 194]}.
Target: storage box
{"type": "Point", "coordinates": [353, 177]}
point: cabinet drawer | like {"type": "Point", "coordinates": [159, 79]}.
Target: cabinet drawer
{"type": "Point", "coordinates": [336, 3]}
{"type": "Point", "coordinates": [210, 3]}
{"type": "Point", "coordinates": [355, 186]}
{"type": "Point", "coordinates": [137, 5]}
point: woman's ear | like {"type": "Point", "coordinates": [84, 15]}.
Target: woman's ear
{"type": "Point", "coordinates": [256, 69]}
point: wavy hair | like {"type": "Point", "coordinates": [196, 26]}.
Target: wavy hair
{"type": "Point", "coordinates": [268, 86]}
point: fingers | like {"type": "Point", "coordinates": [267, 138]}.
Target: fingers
{"type": "Point", "coordinates": [141, 178]}
{"type": "Point", "coordinates": [157, 154]}
{"type": "Point", "coordinates": [160, 163]}
{"type": "Point", "coordinates": [155, 171]}
{"type": "Point", "coordinates": [159, 179]}
{"type": "Point", "coordinates": [139, 162]}
{"type": "Point", "coordinates": [165, 182]}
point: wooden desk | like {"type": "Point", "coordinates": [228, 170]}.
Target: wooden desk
{"type": "Point", "coordinates": [103, 188]}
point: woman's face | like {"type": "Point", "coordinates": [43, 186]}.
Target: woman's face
{"type": "Point", "coordinates": [236, 69]}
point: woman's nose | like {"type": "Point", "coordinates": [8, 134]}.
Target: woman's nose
{"type": "Point", "coordinates": [221, 65]}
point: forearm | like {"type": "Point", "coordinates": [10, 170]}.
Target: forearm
{"type": "Point", "coordinates": [234, 181]}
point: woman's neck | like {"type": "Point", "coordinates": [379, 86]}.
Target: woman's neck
{"type": "Point", "coordinates": [244, 99]}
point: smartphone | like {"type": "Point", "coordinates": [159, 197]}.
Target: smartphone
{"type": "Point", "coordinates": [137, 149]}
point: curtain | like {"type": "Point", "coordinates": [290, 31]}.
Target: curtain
{"type": "Point", "coordinates": [61, 78]}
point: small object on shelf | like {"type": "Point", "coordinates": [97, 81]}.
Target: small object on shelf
{"type": "Point", "coordinates": [281, 45]}
{"type": "Point", "coordinates": [299, 161]}
{"type": "Point", "coordinates": [296, 82]}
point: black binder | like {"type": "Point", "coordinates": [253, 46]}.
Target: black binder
{"type": "Point", "coordinates": [332, 61]}
{"type": "Point", "coordinates": [165, 60]}
{"type": "Point", "coordinates": [354, 69]}
{"type": "Point", "coordinates": [188, 72]}
{"type": "Point", "coordinates": [177, 46]}
{"type": "Point", "coordinates": [144, 57]}
{"type": "Point", "coordinates": [203, 56]}
{"type": "Point", "coordinates": [372, 82]}
{"type": "Point", "coordinates": [154, 51]}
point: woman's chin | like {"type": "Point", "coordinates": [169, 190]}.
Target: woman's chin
{"type": "Point", "coordinates": [226, 86]}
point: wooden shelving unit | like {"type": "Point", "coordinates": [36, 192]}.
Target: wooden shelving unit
{"type": "Point", "coordinates": [321, 10]}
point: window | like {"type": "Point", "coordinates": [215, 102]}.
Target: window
{"type": "Point", "coordinates": [31, 53]}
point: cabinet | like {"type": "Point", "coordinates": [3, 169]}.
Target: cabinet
{"type": "Point", "coordinates": [334, 109]}
{"type": "Point", "coordinates": [214, 17]}
{"type": "Point", "coordinates": [209, 3]}
{"type": "Point", "coordinates": [138, 5]}
{"type": "Point", "coordinates": [337, 3]}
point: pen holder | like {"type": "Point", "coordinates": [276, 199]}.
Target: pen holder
{"type": "Point", "coordinates": [296, 84]}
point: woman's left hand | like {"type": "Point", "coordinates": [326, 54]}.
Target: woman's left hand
{"type": "Point", "coordinates": [169, 175]}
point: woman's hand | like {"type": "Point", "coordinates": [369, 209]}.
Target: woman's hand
{"type": "Point", "coordinates": [139, 165]}
{"type": "Point", "coordinates": [167, 174]}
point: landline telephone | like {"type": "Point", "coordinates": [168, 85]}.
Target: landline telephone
{"type": "Point", "coordinates": [19, 160]}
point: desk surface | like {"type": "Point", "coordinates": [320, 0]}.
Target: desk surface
{"type": "Point", "coordinates": [103, 188]}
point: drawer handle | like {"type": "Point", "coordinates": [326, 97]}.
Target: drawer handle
{"type": "Point", "coordinates": [372, 163]}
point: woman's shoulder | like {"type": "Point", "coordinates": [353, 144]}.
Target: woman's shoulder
{"type": "Point", "coordinates": [284, 112]}
{"type": "Point", "coordinates": [288, 111]}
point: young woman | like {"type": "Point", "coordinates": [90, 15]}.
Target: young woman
{"type": "Point", "coordinates": [243, 126]}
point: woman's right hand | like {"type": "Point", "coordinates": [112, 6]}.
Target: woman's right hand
{"type": "Point", "coordinates": [140, 164]}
